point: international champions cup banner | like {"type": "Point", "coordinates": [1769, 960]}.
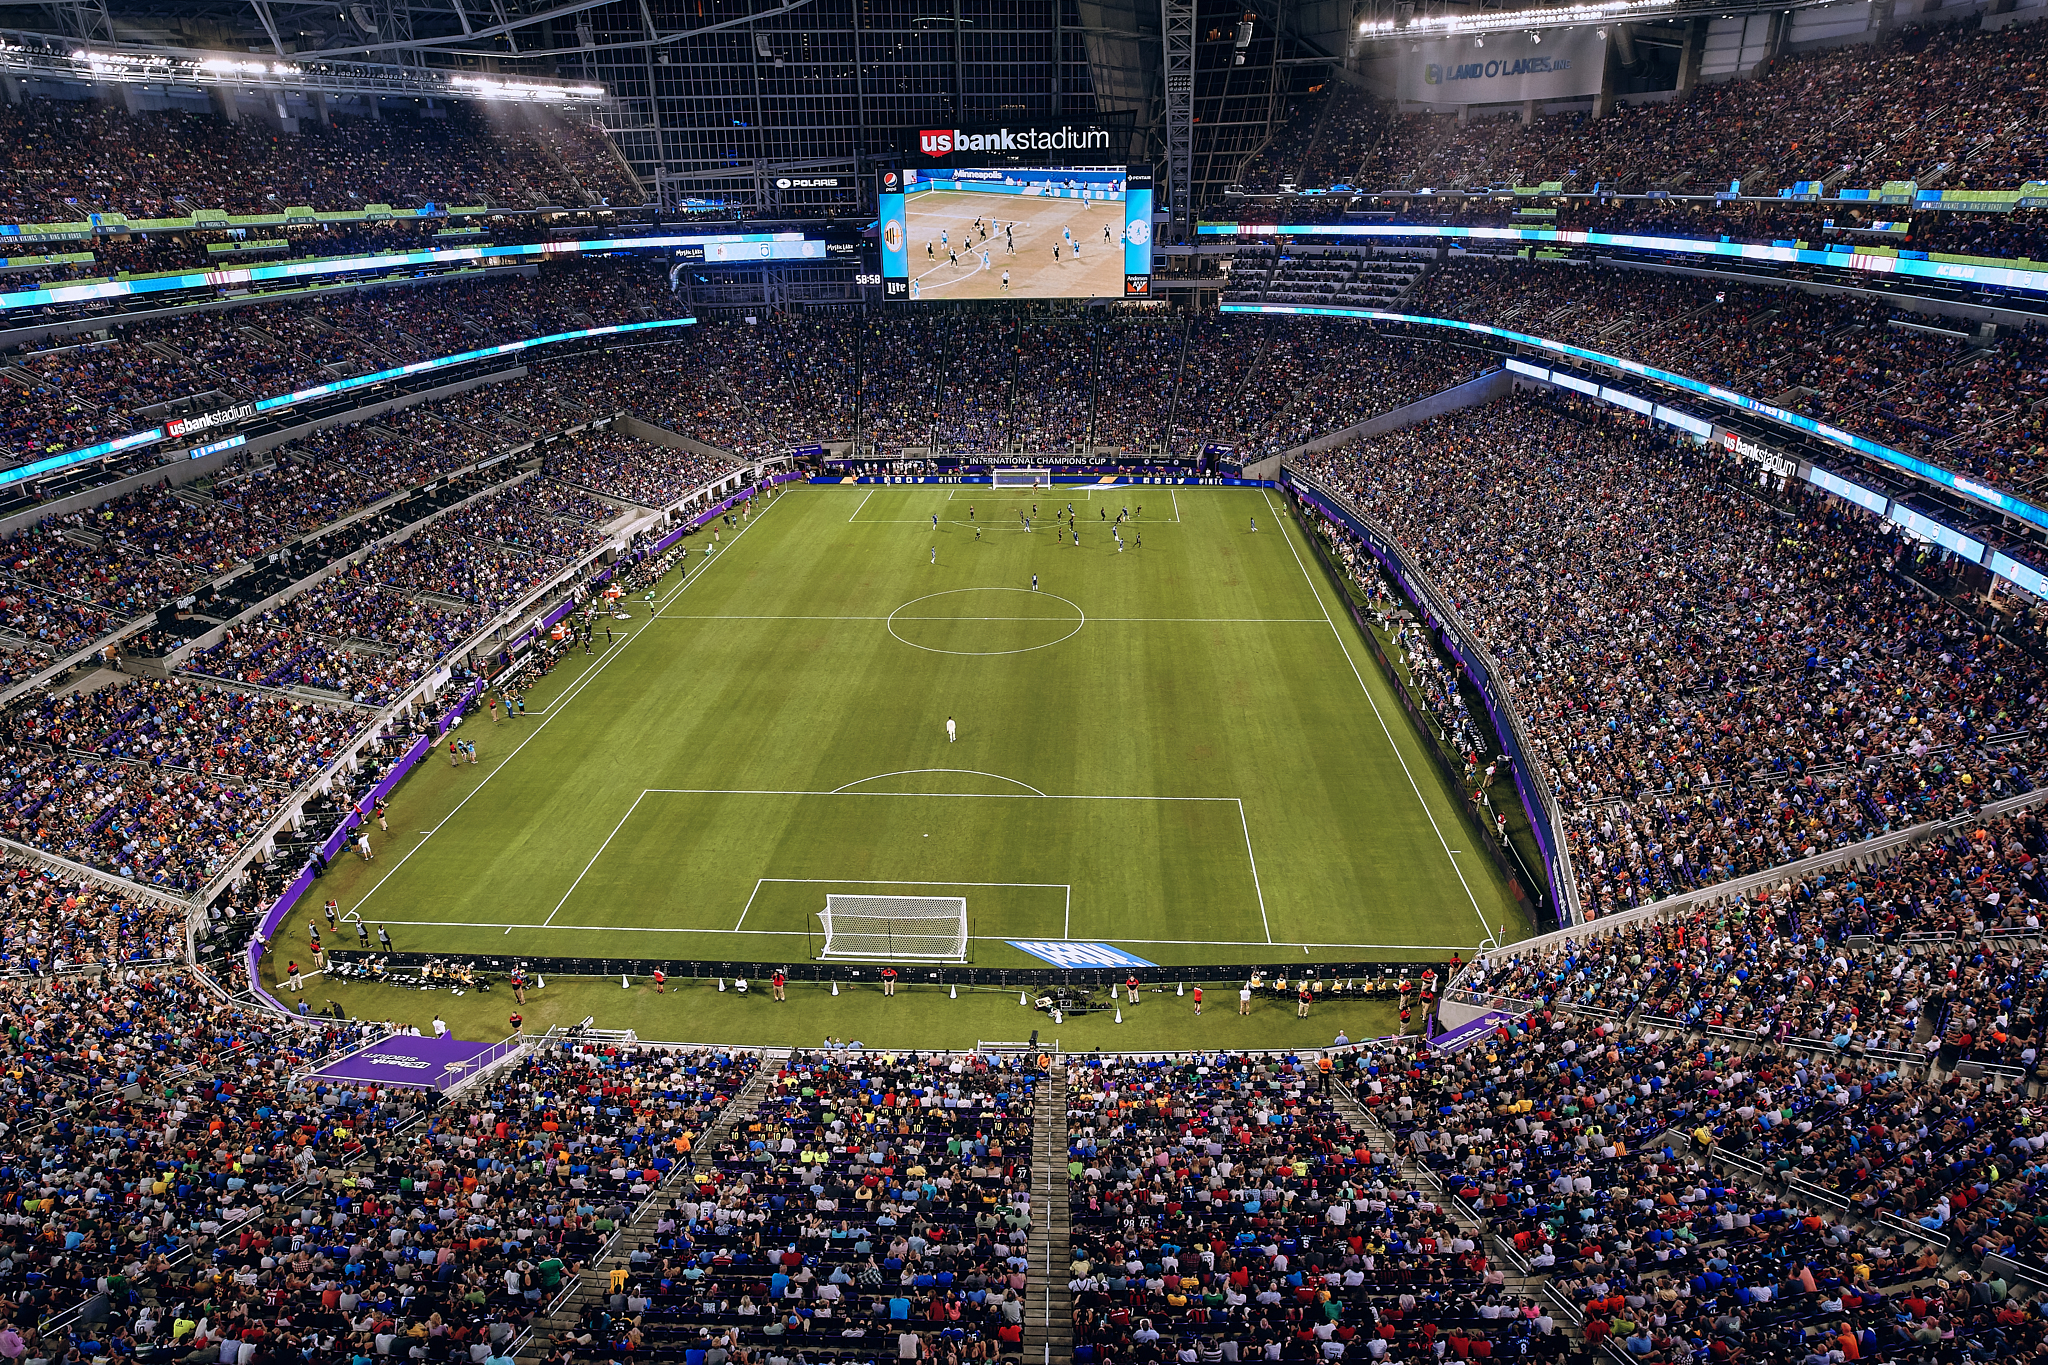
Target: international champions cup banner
{"type": "Point", "coordinates": [1510, 67]}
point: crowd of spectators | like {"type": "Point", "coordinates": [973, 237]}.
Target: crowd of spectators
{"type": "Point", "coordinates": [71, 393]}
{"type": "Point", "coordinates": [1714, 680]}
{"type": "Point", "coordinates": [169, 1159]}
{"type": "Point", "coordinates": [1880, 372]}
{"type": "Point", "coordinates": [1923, 100]}
{"type": "Point", "coordinates": [876, 1206]}
{"type": "Point", "coordinates": [63, 160]}
{"type": "Point", "coordinates": [619, 466]}
{"type": "Point", "coordinates": [1223, 1209]}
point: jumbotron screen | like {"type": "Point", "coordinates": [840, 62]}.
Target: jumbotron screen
{"type": "Point", "coordinates": [1009, 232]}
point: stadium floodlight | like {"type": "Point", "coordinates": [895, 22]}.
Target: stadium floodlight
{"type": "Point", "coordinates": [908, 928]}
{"type": "Point", "coordinates": [41, 57]}
{"type": "Point", "coordinates": [1598, 12]}
{"type": "Point", "coordinates": [1020, 478]}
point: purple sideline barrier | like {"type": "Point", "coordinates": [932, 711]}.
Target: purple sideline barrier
{"type": "Point", "coordinates": [303, 883]}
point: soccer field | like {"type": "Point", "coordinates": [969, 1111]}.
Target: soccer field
{"type": "Point", "coordinates": [1182, 748]}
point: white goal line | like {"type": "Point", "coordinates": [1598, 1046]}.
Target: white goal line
{"type": "Point", "coordinates": [977, 938]}
{"type": "Point", "coordinates": [1065, 888]}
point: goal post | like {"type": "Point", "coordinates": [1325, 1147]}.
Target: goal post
{"type": "Point", "coordinates": [912, 928]}
{"type": "Point", "coordinates": [1021, 478]}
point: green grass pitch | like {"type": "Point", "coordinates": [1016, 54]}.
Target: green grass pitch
{"type": "Point", "coordinates": [1181, 748]}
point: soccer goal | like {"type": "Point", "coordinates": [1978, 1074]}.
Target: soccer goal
{"type": "Point", "coordinates": [1021, 478]}
{"type": "Point", "coordinates": [922, 928]}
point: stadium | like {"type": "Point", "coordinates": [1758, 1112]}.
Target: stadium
{"type": "Point", "coordinates": [819, 684]}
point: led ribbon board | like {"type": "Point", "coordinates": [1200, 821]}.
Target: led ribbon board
{"type": "Point", "coordinates": [142, 438]}
{"type": "Point", "coordinates": [748, 246]}
{"type": "Point", "coordinates": [1951, 272]}
{"type": "Point", "coordinates": [1833, 435]}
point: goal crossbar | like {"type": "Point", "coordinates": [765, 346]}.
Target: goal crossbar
{"type": "Point", "coordinates": [1021, 478]}
{"type": "Point", "coordinates": [912, 928]}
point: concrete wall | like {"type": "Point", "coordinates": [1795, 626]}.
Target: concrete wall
{"type": "Point", "coordinates": [1470, 394]}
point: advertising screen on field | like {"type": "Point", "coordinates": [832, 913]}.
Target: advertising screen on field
{"type": "Point", "coordinates": [1056, 232]}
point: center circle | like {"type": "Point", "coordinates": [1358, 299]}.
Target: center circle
{"type": "Point", "coordinates": [986, 621]}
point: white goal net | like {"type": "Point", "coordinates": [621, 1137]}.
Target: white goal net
{"type": "Point", "coordinates": [924, 928]}
{"type": "Point", "coordinates": [1021, 478]}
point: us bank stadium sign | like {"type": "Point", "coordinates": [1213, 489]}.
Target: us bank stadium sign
{"type": "Point", "coordinates": [187, 426]}
{"type": "Point", "coordinates": [1060, 141]}
{"type": "Point", "coordinates": [1737, 444]}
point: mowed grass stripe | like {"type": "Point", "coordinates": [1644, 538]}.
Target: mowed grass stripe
{"type": "Point", "coordinates": [754, 678]}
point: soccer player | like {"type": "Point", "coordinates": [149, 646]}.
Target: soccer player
{"type": "Point", "coordinates": [984, 260]}
{"type": "Point", "coordinates": [942, 237]}
{"type": "Point", "coordinates": [333, 909]}
{"type": "Point", "coordinates": [1255, 523]}
{"type": "Point", "coordinates": [363, 935]}
{"type": "Point", "coordinates": [929, 254]}
{"type": "Point", "coordinates": [935, 554]}
{"type": "Point", "coordinates": [1077, 251]}
{"type": "Point", "coordinates": [977, 533]}
{"type": "Point", "coordinates": [970, 511]}
{"type": "Point", "coordinates": [1034, 582]}
{"type": "Point", "coordinates": [951, 732]}
{"type": "Point", "coordinates": [1055, 253]}
{"type": "Point", "coordinates": [1006, 281]}
{"type": "Point", "coordinates": [935, 521]}
{"type": "Point", "coordinates": [954, 257]}
{"type": "Point", "coordinates": [384, 937]}
{"type": "Point", "coordinates": [1106, 237]}
{"type": "Point", "coordinates": [1010, 237]}
{"type": "Point", "coordinates": [916, 288]}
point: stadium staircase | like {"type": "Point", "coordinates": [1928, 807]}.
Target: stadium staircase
{"type": "Point", "coordinates": [1049, 1305]}
{"type": "Point", "coordinates": [593, 1284]}
{"type": "Point", "coordinates": [1411, 1174]}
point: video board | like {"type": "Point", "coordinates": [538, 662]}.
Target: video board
{"type": "Point", "coordinates": [1055, 232]}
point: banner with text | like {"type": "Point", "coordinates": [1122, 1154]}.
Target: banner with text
{"type": "Point", "coordinates": [1511, 66]}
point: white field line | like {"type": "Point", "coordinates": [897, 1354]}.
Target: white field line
{"type": "Point", "coordinates": [1093, 620]}
{"type": "Point", "coordinates": [593, 860]}
{"type": "Point", "coordinates": [1345, 649]}
{"type": "Point", "coordinates": [977, 938]}
{"type": "Point", "coordinates": [1254, 860]}
{"type": "Point", "coordinates": [560, 703]}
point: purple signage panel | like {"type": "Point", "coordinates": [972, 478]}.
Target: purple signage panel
{"type": "Point", "coordinates": [435, 1063]}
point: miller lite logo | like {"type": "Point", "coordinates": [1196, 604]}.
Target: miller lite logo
{"type": "Point", "coordinates": [936, 141]}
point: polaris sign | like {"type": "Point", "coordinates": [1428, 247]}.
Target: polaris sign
{"type": "Point", "coordinates": [937, 142]}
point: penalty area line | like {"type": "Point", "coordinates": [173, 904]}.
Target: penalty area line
{"type": "Point", "coordinates": [555, 708]}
